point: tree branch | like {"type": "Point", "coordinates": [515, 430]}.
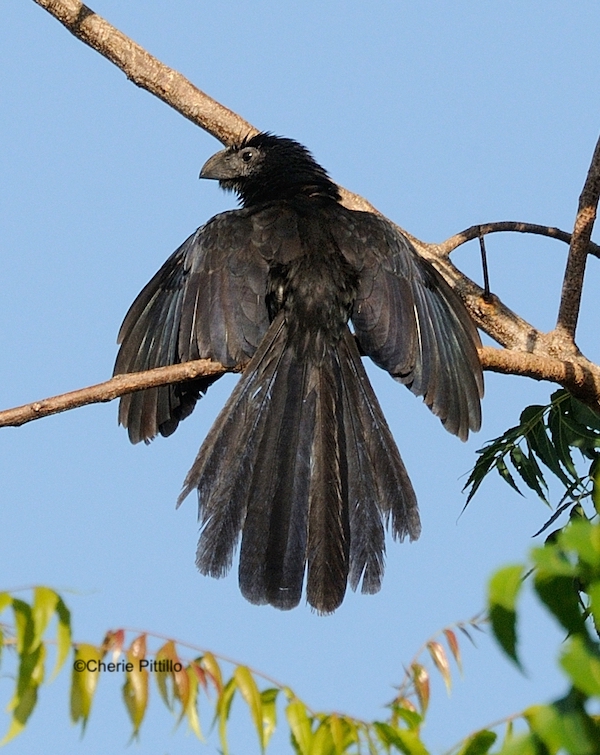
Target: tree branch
{"type": "Point", "coordinates": [147, 72]}
{"type": "Point", "coordinates": [582, 378]}
{"type": "Point", "coordinates": [579, 376]}
{"type": "Point", "coordinates": [474, 231]}
{"type": "Point", "coordinates": [501, 323]}
{"type": "Point", "coordinates": [117, 386]}
{"type": "Point", "coordinates": [584, 223]}
{"type": "Point", "coordinates": [542, 356]}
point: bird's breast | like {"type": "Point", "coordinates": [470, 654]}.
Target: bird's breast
{"type": "Point", "coordinates": [316, 289]}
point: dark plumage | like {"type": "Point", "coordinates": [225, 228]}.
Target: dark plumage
{"type": "Point", "coordinates": [300, 462]}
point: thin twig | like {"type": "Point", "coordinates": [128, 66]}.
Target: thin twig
{"type": "Point", "coordinates": [570, 300]}
{"type": "Point", "coordinates": [109, 390]}
{"type": "Point", "coordinates": [507, 226]}
{"type": "Point", "coordinates": [484, 265]}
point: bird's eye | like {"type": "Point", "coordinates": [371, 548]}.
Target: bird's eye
{"type": "Point", "coordinates": [247, 155]}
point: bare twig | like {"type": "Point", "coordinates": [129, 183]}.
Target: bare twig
{"type": "Point", "coordinates": [484, 264]}
{"type": "Point", "coordinates": [109, 390]}
{"type": "Point", "coordinates": [573, 281]}
{"type": "Point", "coordinates": [503, 226]}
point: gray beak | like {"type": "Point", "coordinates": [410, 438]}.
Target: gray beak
{"type": "Point", "coordinates": [218, 167]}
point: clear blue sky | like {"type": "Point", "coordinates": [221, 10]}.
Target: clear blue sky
{"type": "Point", "coordinates": [443, 114]}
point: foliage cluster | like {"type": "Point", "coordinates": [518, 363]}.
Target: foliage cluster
{"type": "Point", "coordinates": [565, 574]}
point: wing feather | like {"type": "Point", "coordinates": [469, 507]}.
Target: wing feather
{"type": "Point", "coordinates": [410, 322]}
{"type": "Point", "coordinates": [206, 302]}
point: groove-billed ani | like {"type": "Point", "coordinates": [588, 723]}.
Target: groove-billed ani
{"type": "Point", "coordinates": [300, 462]}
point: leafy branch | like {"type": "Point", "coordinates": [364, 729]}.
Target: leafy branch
{"type": "Point", "coordinates": [182, 681]}
{"type": "Point", "coordinates": [544, 438]}
{"type": "Point", "coordinates": [566, 579]}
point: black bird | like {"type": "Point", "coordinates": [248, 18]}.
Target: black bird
{"type": "Point", "coordinates": [300, 463]}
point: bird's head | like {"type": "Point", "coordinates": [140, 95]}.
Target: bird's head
{"type": "Point", "coordinates": [265, 167]}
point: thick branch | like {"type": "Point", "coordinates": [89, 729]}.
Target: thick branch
{"type": "Point", "coordinates": [579, 376]}
{"type": "Point", "coordinates": [148, 72]}
{"type": "Point", "coordinates": [584, 223]}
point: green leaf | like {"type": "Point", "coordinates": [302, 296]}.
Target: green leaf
{"type": "Point", "coordinates": [582, 665]}
{"type": "Point", "coordinates": [551, 559]}
{"type": "Point", "coordinates": [223, 709]}
{"type": "Point", "coordinates": [584, 415]}
{"type": "Point", "coordinates": [543, 447]}
{"type": "Point", "coordinates": [560, 438]}
{"type": "Point", "coordinates": [479, 743]}
{"type": "Point", "coordinates": [323, 743]}
{"type": "Point", "coordinates": [84, 681]}
{"type": "Point", "coordinates": [538, 440]}
{"type": "Point", "coordinates": [404, 741]}
{"type": "Point", "coordinates": [24, 626]}
{"type": "Point", "coordinates": [162, 677]}
{"type": "Point", "coordinates": [44, 604]}
{"type": "Point", "coordinates": [595, 476]}
{"type": "Point", "coordinates": [268, 698]}
{"type": "Point", "coordinates": [21, 713]}
{"type": "Point", "coordinates": [29, 677]}
{"type": "Point", "coordinates": [503, 591]}
{"type": "Point", "coordinates": [249, 691]}
{"type": "Point", "coordinates": [506, 475]}
{"type": "Point", "coordinates": [420, 680]}
{"type": "Point", "coordinates": [63, 635]}
{"type": "Point", "coordinates": [593, 591]}
{"type": "Point", "coordinates": [528, 471]}
{"type": "Point", "coordinates": [522, 744]}
{"type": "Point", "coordinates": [337, 729]}
{"type": "Point", "coordinates": [190, 704]}
{"type": "Point", "coordinates": [556, 589]}
{"type": "Point", "coordinates": [300, 725]}
{"type": "Point", "coordinates": [583, 537]}
{"type": "Point", "coordinates": [560, 595]}
{"type": "Point", "coordinates": [411, 718]}
{"type": "Point", "coordinates": [482, 467]}
{"type": "Point", "coordinates": [135, 689]}
{"type": "Point", "coordinates": [212, 668]}
{"type": "Point", "coordinates": [581, 436]}
{"type": "Point", "coordinates": [562, 727]}
{"type": "Point", "coordinates": [5, 600]}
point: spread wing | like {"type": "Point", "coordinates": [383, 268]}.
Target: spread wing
{"type": "Point", "coordinates": [410, 322]}
{"type": "Point", "coordinates": [206, 302]}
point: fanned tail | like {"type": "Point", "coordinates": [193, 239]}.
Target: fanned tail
{"type": "Point", "coordinates": [301, 464]}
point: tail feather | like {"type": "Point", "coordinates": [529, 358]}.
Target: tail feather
{"type": "Point", "coordinates": [226, 460]}
{"type": "Point", "coordinates": [273, 548]}
{"type": "Point", "coordinates": [395, 494]}
{"type": "Point", "coordinates": [302, 464]}
{"type": "Point", "coordinates": [329, 526]}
